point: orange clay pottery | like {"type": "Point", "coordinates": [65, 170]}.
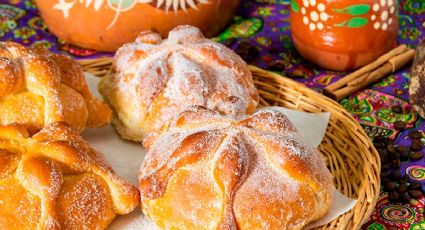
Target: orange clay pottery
{"type": "Point", "coordinates": [343, 35]}
{"type": "Point", "coordinates": [108, 24]}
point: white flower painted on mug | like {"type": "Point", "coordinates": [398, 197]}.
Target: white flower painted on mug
{"type": "Point", "coordinates": [64, 7]}
{"type": "Point", "coordinates": [317, 16]}
{"type": "Point", "coordinates": [384, 18]}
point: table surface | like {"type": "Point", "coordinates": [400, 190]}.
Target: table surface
{"type": "Point", "coordinates": [265, 24]}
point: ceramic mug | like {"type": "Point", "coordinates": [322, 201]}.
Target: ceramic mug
{"type": "Point", "coordinates": [108, 24]}
{"type": "Point", "coordinates": [343, 35]}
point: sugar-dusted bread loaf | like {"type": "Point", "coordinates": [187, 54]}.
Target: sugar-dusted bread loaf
{"type": "Point", "coordinates": [55, 180]}
{"type": "Point", "coordinates": [210, 171]}
{"type": "Point", "coordinates": [38, 88]}
{"type": "Point", "coordinates": [153, 80]}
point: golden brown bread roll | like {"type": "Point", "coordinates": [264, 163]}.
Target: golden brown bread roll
{"type": "Point", "coordinates": [38, 88]}
{"type": "Point", "coordinates": [154, 80]}
{"type": "Point", "coordinates": [210, 171]}
{"type": "Point", "coordinates": [55, 180]}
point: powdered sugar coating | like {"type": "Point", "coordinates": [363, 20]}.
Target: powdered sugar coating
{"type": "Point", "coordinates": [260, 173]}
{"type": "Point", "coordinates": [154, 80]}
{"type": "Point", "coordinates": [38, 88]}
{"type": "Point", "coordinates": [74, 186]}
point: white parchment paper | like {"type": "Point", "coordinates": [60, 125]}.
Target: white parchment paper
{"type": "Point", "coordinates": [126, 157]}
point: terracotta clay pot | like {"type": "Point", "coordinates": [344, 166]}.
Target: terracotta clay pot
{"type": "Point", "coordinates": [108, 24]}
{"type": "Point", "coordinates": [343, 35]}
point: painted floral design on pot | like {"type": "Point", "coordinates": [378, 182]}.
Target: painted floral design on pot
{"type": "Point", "coordinates": [108, 24]}
{"type": "Point", "coordinates": [124, 5]}
{"type": "Point", "coordinates": [343, 35]}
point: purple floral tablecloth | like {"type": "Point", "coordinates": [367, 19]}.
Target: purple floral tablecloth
{"type": "Point", "coordinates": [265, 25]}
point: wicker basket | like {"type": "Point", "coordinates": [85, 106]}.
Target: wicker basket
{"type": "Point", "coordinates": [351, 157]}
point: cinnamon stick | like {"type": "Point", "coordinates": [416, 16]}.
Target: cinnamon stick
{"type": "Point", "coordinates": [393, 64]}
{"type": "Point", "coordinates": [388, 63]}
{"type": "Point", "coordinates": [365, 69]}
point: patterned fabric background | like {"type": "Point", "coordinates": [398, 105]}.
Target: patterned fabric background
{"type": "Point", "coordinates": [265, 25]}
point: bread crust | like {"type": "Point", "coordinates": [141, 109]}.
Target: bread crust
{"type": "Point", "coordinates": [55, 180]}
{"type": "Point", "coordinates": [154, 80]}
{"type": "Point", "coordinates": [209, 171]}
{"type": "Point", "coordinates": [38, 88]}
